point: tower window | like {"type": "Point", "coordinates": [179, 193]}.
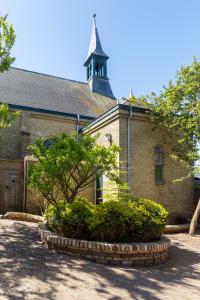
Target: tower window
{"type": "Point", "coordinates": [101, 70]}
{"type": "Point", "coordinates": [158, 164]}
{"type": "Point", "coordinates": [96, 69]}
{"type": "Point", "coordinates": [88, 72]}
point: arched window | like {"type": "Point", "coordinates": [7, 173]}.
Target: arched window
{"type": "Point", "coordinates": [48, 143]}
{"type": "Point", "coordinates": [158, 164]}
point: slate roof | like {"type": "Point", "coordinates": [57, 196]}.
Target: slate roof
{"type": "Point", "coordinates": [95, 44]}
{"type": "Point", "coordinates": [36, 90]}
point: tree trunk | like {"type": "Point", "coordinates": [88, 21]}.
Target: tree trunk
{"type": "Point", "coordinates": [194, 221]}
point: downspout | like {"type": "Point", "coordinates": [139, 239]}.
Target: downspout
{"type": "Point", "coordinates": [25, 185]}
{"type": "Point", "coordinates": [77, 126]}
{"type": "Point", "coordinates": [129, 146]}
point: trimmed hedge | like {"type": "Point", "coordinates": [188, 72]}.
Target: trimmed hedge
{"type": "Point", "coordinates": [132, 220]}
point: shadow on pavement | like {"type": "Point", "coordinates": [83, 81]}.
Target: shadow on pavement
{"type": "Point", "coordinates": [28, 270]}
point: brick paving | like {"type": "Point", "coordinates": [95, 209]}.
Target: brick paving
{"type": "Point", "coordinates": [28, 270]}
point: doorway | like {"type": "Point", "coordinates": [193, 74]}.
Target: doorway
{"type": "Point", "coordinates": [11, 190]}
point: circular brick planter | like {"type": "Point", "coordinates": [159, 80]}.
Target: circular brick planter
{"type": "Point", "coordinates": [19, 216]}
{"type": "Point", "coordinates": [120, 254]}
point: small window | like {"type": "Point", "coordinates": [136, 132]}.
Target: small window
{"type": "Point", "coordinates": [158, 164]}
{"type": "Point", "coordinates": [158, 174]}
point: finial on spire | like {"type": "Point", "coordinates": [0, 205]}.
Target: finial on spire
{"type": "Point", "coordinates": [130, 93]}
{"type": "Point", "coordinates": [95, 44]}
{"type": "Point", "coordinates": [94, 19]}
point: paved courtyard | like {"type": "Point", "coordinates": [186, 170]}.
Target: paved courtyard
{"type": "Point", "coordinates": [28, 270]}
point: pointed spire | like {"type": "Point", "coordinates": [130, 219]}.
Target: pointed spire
{"type": "Point", "coordinates": [96, 65]}
{"type": "Point", "coordinates": [131, 93]}
{"type": "Point", "coordinates": [95, 44]}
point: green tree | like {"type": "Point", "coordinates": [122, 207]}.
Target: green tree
{"type": "Point", "coordinates": [7, 39]}
{"type": "Point", "coordinates": [177, 111]}
{"type": "Point", "coordinates": [7, 117]}
{"type": "Point", "coordinates": [69, 164]}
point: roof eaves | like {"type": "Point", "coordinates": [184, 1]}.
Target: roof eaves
{"type": "Point", "coordinates": [113, 109]}
{"type": "Point", "coordinates": [94, 54]}
{"type": "Point", "coordinates": [52, 112]}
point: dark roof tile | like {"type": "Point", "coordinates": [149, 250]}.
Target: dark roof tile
{"type": "Point", "coordinates": [27, 88]}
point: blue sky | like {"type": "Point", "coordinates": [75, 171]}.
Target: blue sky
{"type": "Point", "coordinates": [147, 41]}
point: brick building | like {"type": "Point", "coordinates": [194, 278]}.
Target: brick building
{"type": "Point", "coordinates": [51, 105]}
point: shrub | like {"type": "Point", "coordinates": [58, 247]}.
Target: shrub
{"type": "Point", "coordinates": [71, 220]}
{"type": "Point", "coordinates": [131, 220]}
{"type": "Point", "coordinates": [128, 221]}
{"type": "Point", "coordinates": [150, 221]}
{"type": "Point", "coordinates": [109, 222]}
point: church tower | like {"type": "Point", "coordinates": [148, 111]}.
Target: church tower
{"type": "Point", "coordinates": [96, 65]}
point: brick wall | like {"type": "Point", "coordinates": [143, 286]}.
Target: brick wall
{"type": "Point", "coordinates": [10, 141]}
{"type": "Point", "coordinates": [178, 197]}
{"type": "Point", "coordinates": [129, 254]}
{"type": "Point", "coordinates": [110, 125]}
{"type": "Point", "coordinates": [30, 125]}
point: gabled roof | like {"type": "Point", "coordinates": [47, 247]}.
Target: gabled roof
{"type": "Point", "coordinates": [36, 90]}
{"type": "Point", "coordinates": [117, 107]}
{"type": "Point", "coordinates": [95, 44]}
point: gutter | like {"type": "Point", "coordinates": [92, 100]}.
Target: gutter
{"type": "Point", "coordinates": [48, 111]}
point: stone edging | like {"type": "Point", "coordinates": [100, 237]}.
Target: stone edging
{"type": "Point", "coordinates": [176, 228]}
{"type": "Point", "coordinates": [106, 253]}
{"type": "Point", "coordinates": [22, 217]}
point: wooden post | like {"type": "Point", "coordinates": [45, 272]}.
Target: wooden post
{"type": "Point", "coordinates": [194, 221]}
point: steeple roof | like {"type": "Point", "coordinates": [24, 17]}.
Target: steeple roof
{"type": "Point", "coordinates": [95, 44]}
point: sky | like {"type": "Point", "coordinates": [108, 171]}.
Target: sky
{"type": "Point", "coordinates": [147, 41]}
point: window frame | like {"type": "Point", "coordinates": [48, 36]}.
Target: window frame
{"type": "Point", "coordinates": [158, 165]}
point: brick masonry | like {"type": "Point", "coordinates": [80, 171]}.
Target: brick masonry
{"type": "Point", "coordinates": [177, 198]}
{"type": "Point", "coordinates": [12, 215]}
{"type": "Point", "coordinates": [126, 254]}
{"type": "Point", "coordinates": [30, 126]}
{"type": "Point", "coordinates": [115, 254]}
{"type": "Point", "coordinates": [14, 142]}
{"type": "Point", "coordinates": [169, 229]}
